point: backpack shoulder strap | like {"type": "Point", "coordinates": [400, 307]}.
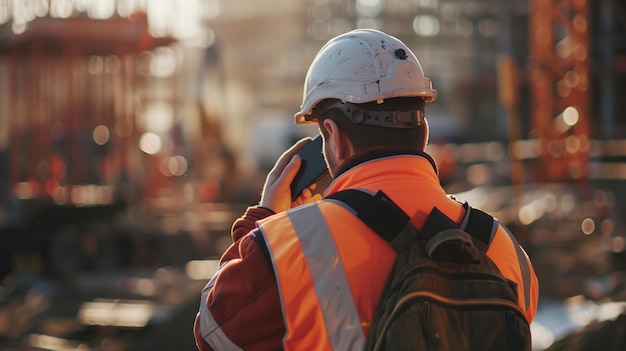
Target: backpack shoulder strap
{"type": "Point", "coordinates": [480, 225]}
{"type": "Point", "coordinates": [388, 220]}
{"type": "Point", "coordinates": [377, 211]}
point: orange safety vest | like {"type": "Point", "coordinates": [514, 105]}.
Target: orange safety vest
{"type": "Point", "coordinates": [331, 268]}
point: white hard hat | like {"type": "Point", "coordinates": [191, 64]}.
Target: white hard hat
{"type": "Point", "coordinates": [360, 66]}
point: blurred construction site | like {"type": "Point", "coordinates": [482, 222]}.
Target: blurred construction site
{"type": "Point", "coordinates": [133, 133]}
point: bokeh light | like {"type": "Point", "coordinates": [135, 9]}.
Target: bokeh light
{"type": "Point", "coordinates": [150, 143]}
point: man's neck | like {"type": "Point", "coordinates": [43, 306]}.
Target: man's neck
{"type": "Point", "coordinates": [380, 152]}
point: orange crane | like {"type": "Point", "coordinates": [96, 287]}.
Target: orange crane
{"type": "Point", "coordinates": [559, 80]}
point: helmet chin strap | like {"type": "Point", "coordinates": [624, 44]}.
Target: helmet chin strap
{"type": "Point", "coordinates": [387, 119]}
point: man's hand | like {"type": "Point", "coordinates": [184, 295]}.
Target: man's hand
{"type": "Point", "coordinates": [276, 193]}
{"type": "Point", "coordinates": [307, 196]}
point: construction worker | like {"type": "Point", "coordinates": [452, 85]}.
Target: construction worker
{"type": "Point", "coordinates": [309, 277]}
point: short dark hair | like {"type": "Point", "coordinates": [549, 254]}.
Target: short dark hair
{"type": "Point", "coordinates": [364, 136]}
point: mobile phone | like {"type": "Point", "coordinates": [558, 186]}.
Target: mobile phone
{"type": "Point", "coordinates": [312, 170]}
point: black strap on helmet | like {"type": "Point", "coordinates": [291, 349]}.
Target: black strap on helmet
{"type": "Point", "coordinates": [387, 119]}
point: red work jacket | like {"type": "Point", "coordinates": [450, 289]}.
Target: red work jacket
{"type": "Point", "coordinates": [328, 268]}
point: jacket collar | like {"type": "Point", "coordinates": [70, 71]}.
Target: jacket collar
{"type": "Point", "coordinates": [381, 152]}
{"type": "Point", "coordinates": [384, 168]}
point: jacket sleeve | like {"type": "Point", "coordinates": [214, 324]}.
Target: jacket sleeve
{"type": "Point", "coordinates": [240, 306]}
{"type": "Point", "coordinates": [246, 223]}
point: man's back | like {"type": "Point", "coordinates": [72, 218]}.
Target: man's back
{"type": "Point", "coordinates": [413, 185]}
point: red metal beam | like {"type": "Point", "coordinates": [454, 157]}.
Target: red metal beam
{"type": "Point", "coordinates": [559, 77]}
{"type": "Point", "coordinates": [95, 37]}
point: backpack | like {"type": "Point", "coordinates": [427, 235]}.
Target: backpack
{"type": "Point", "coordinates": [443, 292]}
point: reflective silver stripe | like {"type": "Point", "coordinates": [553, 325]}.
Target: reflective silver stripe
{"type": "Point", "coordinates": [494, 228]}
{"type": "Point", "coordinates": [210, 330]}
{"type": "Point", "coordinates": [466, 216]}
{"type": "Point", "coordinates": [342, 320]}
{"type": "Point", "coordinates": [523, 265]}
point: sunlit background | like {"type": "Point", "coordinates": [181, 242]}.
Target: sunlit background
{"type": "Point", "coordinates": [133, 133]}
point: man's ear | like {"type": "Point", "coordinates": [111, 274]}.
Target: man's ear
{"type": "Point", "coordinates": [338, 140]}
{"type": "Point", "coordinates": [426, 134]}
